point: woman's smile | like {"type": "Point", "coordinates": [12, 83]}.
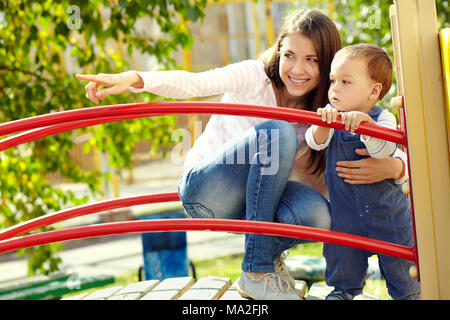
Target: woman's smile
{"type": "Point", "coordinates": [297, 81]}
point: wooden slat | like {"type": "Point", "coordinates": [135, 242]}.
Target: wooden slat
{"type": "Point", "coordinates": [232, 293]}
{"type": "Point", "coordinates": [319, 291]}
{"type": "Point", "coordinates": [366, 296]}
{"type": "Point", "coordinates": [169, 289]}
{"type": "Point", "coordinates": [80, 296]}
{"type": "Point", "coordinates": [103, 294]}
{"type": "Point", "coordinates": [208, 288]}
{"type": "Point", "coordinates": [134, 291]}
{"type": "Point", "coordinates": [300, 288]}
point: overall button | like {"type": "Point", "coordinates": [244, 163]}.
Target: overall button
{"type": "Point", "coordinates": [365, 209]}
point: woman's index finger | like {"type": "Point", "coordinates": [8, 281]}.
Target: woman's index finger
{"type": "Point", "coordinates": [91, 77]}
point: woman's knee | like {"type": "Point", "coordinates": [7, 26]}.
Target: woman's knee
{"type": "Point", "coordinates": [208, 196]}
{"type": "Point", "coordinates": [302, 205]}
{"type": "Point", "coordinates": [283, 131]}
{"type": "Point", "coordinates": [281, 137]}
{"type": "Point", "coordinates": [320, 216]}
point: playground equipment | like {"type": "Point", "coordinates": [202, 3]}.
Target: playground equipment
{"type": "Point", "coordinates": [424, 133]}
{"type": "Point", "coordinates": [420, 79]}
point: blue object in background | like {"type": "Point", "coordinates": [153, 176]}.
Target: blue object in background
{"type": "Point", "coordinates": [165, 253]}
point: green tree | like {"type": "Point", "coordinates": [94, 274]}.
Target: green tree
{"type": "Point", "coordinates": [33, 80]}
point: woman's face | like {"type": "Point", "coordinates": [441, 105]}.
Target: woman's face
{"type": "Point", "coordinates": [299, 67]}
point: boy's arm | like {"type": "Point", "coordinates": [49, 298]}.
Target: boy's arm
{"type": "Point", "coordinates": [318, 138]}
{"type": "Point", "coordinates": [379, 148]}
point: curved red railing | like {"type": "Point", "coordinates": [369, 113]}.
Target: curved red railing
{"type": "Point", "coordinates": [71, 213]}
{"type": "Point", "coordinates": [50, 124]}
{"type": "Point", "coordinates": [40, 133]}
{"type": "Point", "coordinates": [234, 225]}
{"type": "Point", "coordinates": [222, 225]}
{"type": "Point", "coordinates": [164, 108]}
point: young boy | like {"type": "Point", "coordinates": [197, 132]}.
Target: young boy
{"type": "Point", "coordinates": [361, 75]}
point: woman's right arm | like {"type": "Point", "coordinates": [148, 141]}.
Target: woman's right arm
{"type": "Point", "coordinates": [175, 83]}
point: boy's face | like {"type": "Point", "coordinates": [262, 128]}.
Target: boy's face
{"type": "Point", "coordinates": [351, 87]}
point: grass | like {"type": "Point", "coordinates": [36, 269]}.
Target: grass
{"type": "Point", "coordinates": [230, 266]}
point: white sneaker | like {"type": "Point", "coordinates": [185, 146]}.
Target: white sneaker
{"type": "Point", "coordinates": [271, 286]}
{"type": "Point", "coordinates": [281, 268]}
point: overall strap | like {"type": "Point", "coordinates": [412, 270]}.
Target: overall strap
{"type": "Point", "coordinates": [375, 112]}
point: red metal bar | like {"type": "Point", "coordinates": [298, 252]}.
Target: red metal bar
{"type": "Point", "coordinates": [186, 107]}
{"type": "Point", "coordinates": [283, 229]}
{"type": "Point", "coordinates": [40, 133]}
{"type": "Point", "coordinates": [220, 225]}
{"type": "Point", "coordinates": [416, 257]}
{"type": "Point", "coordinates": [67, 214]}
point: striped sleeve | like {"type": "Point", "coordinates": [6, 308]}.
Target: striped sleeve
{"type": "Point", "coordinates": [178, 84]}
{"type": "Point", "coordinates": [378, 148]}
{"type": "Point", "coordinates": [402, 156]}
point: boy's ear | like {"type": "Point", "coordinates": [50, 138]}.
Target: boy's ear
{"type": "Point", "coordinates": [376, 90]}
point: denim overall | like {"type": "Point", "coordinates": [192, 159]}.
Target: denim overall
{"type": "Point", "coordinates": [379, 211]}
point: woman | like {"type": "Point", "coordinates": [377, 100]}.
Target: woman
{"type": "Point", "coordinates": [239, 167]}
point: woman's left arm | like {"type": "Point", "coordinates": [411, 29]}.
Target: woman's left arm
{"type": "Point", "coordinates": [371, 170]}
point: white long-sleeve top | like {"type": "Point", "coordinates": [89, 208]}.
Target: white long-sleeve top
{"type": "Point", "coordinates": [377, 148]}
{"type": "Point", "coordinates": [243, 82]}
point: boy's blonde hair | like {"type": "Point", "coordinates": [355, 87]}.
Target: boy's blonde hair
{"type": "Point", "coordinates": [379, 65]}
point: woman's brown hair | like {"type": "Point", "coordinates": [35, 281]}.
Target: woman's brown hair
{"type": "Point", "coordinates": [325, 36]}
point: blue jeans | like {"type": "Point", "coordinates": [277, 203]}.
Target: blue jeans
{"type": "Point", "coordinates": [257, 189]}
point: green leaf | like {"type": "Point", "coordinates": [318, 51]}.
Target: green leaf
{"type": "Point", "coordinates": [193, 13]}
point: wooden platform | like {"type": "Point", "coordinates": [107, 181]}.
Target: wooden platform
{"type": "Point", "coordinates": [186, 288]}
